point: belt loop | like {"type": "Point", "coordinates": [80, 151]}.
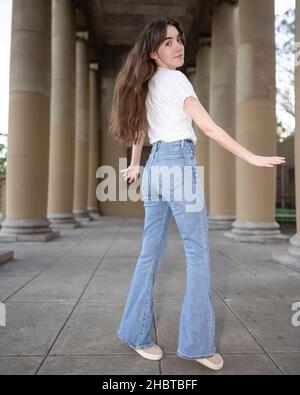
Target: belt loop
{"type": "Point", "coordinates": [182, 143]}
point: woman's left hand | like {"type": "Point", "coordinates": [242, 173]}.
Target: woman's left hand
{"type": "Point", "coordinates": [266, 161]}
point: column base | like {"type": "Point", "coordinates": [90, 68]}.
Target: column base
{"type": "Point", "coordinates": [5, 256]}
{"type": "Point", "coordinates": [82, 216]}
{"type": "Point", "coordinates": [290, 255]}
{"type": "Point", "coordinates": [63, 221]}
{"type": "Point", "coordinates": [94, 213]}
{"type": "Point", "coordinates": [256, 232]}
{"type": "Point", "coordinates": [36, 230]}
{"type": "Point", "coordinates": [220, 222]}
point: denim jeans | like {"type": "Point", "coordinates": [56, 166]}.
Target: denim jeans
{"type": "Point", "coordinates": [161, 204]}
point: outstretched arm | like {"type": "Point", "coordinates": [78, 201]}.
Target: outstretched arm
{"type": "Point", "coordinates": [203, 120]}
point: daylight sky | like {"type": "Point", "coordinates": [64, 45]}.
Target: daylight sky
{"type": "Point", "coordinates": [5, 31]}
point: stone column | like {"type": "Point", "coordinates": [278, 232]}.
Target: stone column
{"type": "Point", "coordinates": [256, 123]}
{"type": "Point", "coordinates": [291, 254]}
{"type": "Point", "coordinates": [82, 129]}
{"type": "Point", "coordinates": [94, 141]}
{"type": "Point", "coordinates": [62, 118]}
{"type": "Point", "coordinates": [202, 81]}
{"type": "Point", "coordinates": [29, 119]}
{"type": "Point", "coordinates": [222, 183]}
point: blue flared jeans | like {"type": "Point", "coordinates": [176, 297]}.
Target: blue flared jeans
{"type": "Point", "coordinates": [171, 187]}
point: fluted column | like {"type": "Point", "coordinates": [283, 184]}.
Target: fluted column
{"type": "Point", "coordinates": [62, 118]}
{"type": "Point", "coordinates": [29, 119]}
{"type": "Point", "coordinates": [202, 82]}
{"type": "Point", "coordinates": [290, 255]}
{"type": "Point", "coordinates": [222, 186]}
{"type": "Point", "coordinates": [256, 123]}
{"type": "Point", "coordinates": [82, 129]}
{"type": "Point", "coordinates": [94, 140]}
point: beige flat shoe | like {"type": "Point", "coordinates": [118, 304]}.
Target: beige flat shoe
{"type": "Point", "coordinates": [215, 362]}
{"type": "Point", "coordinates": [154, 353]}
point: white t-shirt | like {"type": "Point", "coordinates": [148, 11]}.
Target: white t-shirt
{"type": "Point", "coordinates": [167, 120]}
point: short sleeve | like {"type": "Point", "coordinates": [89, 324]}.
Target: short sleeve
{"type": "Point", "coordinates": [180, 87]}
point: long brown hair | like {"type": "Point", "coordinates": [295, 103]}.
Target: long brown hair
{"type": "Point", "coordinates": [128, 118]}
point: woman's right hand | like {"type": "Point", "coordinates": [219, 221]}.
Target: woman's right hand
{"type": "Point", "coordinates": [131, 174]}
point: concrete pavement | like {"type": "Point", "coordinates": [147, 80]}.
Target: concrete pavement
{"type": "Point", "coordinates": [64, 301]}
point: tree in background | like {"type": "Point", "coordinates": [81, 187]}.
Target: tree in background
{"type": "Point", "coordinates": [3, 164]}
{"type": "Point", "coordinates": [285, 52]}
{"type": "Point", "coordinates": [3, 158]}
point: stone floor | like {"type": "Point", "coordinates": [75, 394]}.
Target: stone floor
{"type": "Point", "coordinates": [64, 301]}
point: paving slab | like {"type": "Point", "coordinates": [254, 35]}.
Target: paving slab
{"type": "Point", "coordinates": [19, 366]}
{"type": "Point", "coordinates": [31, 328]}
{"type": "Point", "coordinates": [99, 365]}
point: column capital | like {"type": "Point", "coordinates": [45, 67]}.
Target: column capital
{"type": "Point", "coordinates": [94, 66]}
{"type": "Point", "coordinates": [83, 35]}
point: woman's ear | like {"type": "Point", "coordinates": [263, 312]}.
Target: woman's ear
{"type": "Point", "coordinates": [153, 55]}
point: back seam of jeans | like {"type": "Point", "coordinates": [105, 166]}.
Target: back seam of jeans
{"type": "Point", "coordinates": [161, 238]}
{"type": "Point", "coordinates": [160, 241]}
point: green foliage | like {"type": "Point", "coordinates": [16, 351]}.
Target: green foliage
{"type": "Point", "coordinates": [3, 161]}
{"type": "Point", "coordinates": [285, 52]}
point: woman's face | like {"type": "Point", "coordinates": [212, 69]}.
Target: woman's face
{"type": "Point", "coordinates": [170, 54]}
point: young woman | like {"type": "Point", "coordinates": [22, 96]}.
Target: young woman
{"type": "Point", "coordinates": [152, 97]}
